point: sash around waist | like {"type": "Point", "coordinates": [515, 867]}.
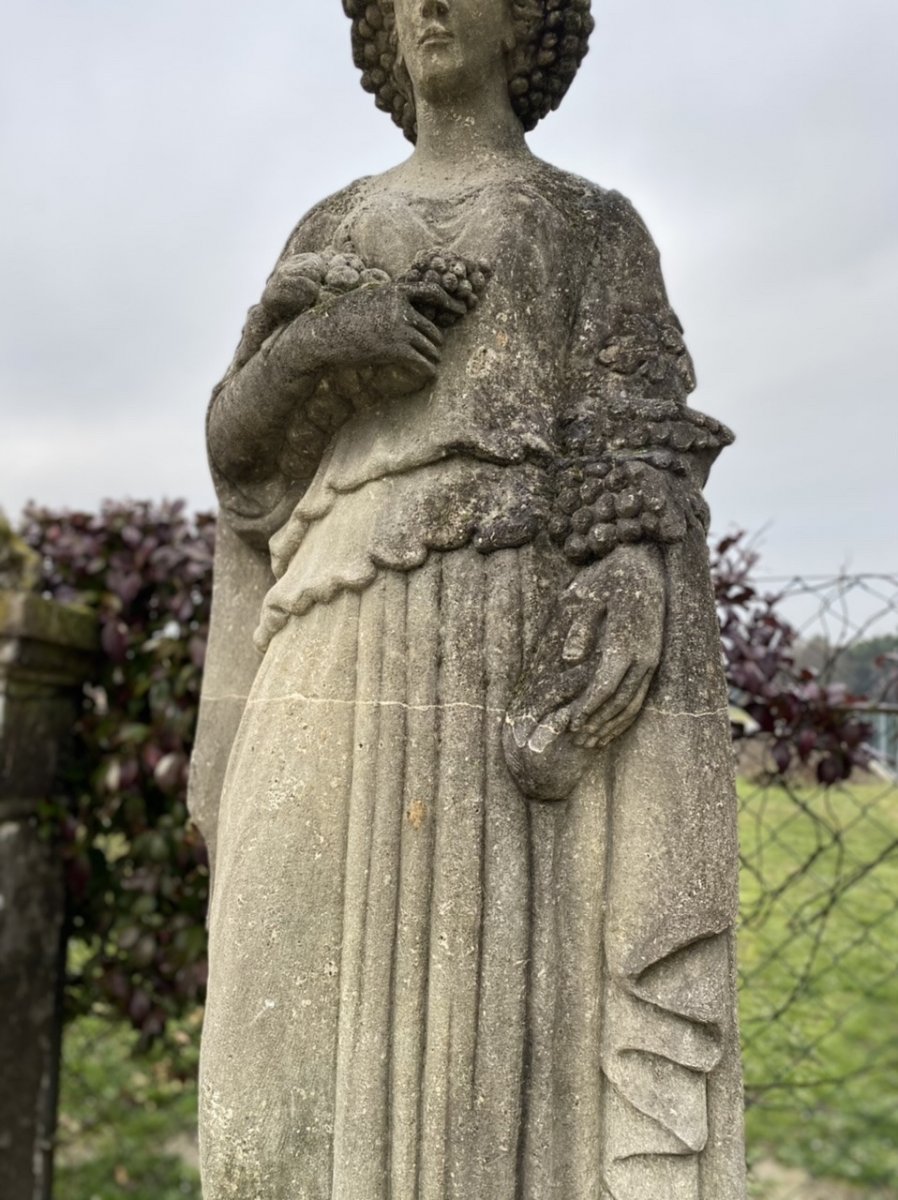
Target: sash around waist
{"type": "Point", "coordinates": [336, 541]}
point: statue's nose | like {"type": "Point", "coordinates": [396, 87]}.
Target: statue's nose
{"type": "Point", "coordinates": [435, 8]}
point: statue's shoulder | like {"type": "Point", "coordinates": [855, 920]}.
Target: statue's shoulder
{"type": "Point", "coordinates": [319, 224]}
{"type": "Point", "coordinates": [606, 212]}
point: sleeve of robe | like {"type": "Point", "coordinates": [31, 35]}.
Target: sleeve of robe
{"type": "Point", "coordinates": [670, 1046]}
{"type": "Point", "coordinates": [249, 514]}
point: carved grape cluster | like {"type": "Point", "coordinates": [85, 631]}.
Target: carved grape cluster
{"type": "Point", "coordinates": [553, 38]}
{"type": "Point", "coordinates": [304, 280]}
{"type": "Point", "coordinates": [604, 503]}
{"type": "Point", "coordinates": [462, 278]}
{"type": "Point", "coordinates": [645, 427]}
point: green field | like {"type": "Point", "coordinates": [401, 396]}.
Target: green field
{"type": "Point", "coordinates": [819, 953]}
{"type": "Point", "coordinates": [819, 957]}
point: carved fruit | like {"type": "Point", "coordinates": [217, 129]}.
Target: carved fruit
{"type": "Point", "coordinates": [313, 266]}
{"type": "Point", "coordinates": [629, 531]}
{"type": "Point", "coordinates": [582, 520]}
{"type": "Point", "coordinates": [342, 278]}
{"type": "Point", "coordinates": [289, 293]}
{"type": "Point", "coordinates": [602, 540]}
{"type": "Point", "coordinates": [459, 277]}
{"type": "Point", "coordinates": [628, 504]}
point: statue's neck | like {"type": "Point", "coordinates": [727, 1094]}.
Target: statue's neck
{"type": "Point", "coordinates": [464, 136]}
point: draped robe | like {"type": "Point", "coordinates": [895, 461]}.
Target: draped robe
{"type": "Point", "coordinates": [424, 984]}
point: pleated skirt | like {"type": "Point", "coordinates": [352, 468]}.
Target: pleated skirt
{"type": "Point", "coordinates": [406, 966]}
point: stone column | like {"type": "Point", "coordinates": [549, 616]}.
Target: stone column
{"type": "Point", "coordinates": [45, 654]}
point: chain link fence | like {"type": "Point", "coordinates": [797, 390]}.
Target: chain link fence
{"type": "Point", "coordinates": [819, 965]}
{"type": "Point", "coordinates": [819, 938]}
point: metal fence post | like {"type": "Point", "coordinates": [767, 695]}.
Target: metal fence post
{"type": "Point", "coordinates": [45, 653]}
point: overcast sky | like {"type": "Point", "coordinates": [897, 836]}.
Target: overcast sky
{"type": "Point", "coordinates": [154, 156]}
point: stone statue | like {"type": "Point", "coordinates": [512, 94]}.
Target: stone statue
{"type": "Point", "coordinates": [471, 931]}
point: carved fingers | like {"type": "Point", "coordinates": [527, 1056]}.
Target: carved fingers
{"type": "Point", "coordinates": [627, 650]}
{"type": "Point", "coordinates": [420, 345]}
{"type": "Point", "coordinates": [424, 341]}
{"type": "Point", "coordinates": [540, 757]}
{"type": "Point", "coordinates": [377, 327]}
{"type": "Point", "coordinates": [584, 618]}
{"type": "Point", "coordinates": [618, 707]}
{"type": "Point", "coordinates": [425, 326]}
{"type": "Point", "coordinates": [537, 749]}
{"type": "Point", "coordinates": [590, 672]}
{"type": "Point", "coordinates": [555, 675]}
{"type": "Point", "coordinates": [433, 296]}
{"type": "Point", "coordinates": [446, 285]}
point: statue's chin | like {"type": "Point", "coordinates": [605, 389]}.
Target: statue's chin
{"type": "Point", "coordinates": [443, 77]}
{"type": "Point", "coordinates": [547, 765]}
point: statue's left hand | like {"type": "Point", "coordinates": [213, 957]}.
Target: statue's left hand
{"type": "Point", "coordinates": [590, 672]}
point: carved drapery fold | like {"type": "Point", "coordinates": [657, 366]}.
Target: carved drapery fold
{"type": "Point", "coordinates": [639, 867]}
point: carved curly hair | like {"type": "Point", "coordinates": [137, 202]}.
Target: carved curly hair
{"type": "Point", "coordinates": [552, 39]}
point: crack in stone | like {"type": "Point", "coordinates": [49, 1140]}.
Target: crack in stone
{"type": "Point", "coordinates": [667, 712]}
{"type": "Point", "coordinates": [460, 704]}
{"type": "Point", "coordinates": [357, 703]}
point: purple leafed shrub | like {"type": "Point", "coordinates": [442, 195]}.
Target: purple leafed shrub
{"type": "Point", "coordinates": [808, 723]}
{"type": "Point", "coordinates": [136, 869]}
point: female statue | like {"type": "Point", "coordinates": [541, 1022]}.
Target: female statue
{"type": "Point", "coordinates": [475, 855]}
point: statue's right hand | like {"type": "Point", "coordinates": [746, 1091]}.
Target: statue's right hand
{"type": "Point", "coordinates": [378, 326]}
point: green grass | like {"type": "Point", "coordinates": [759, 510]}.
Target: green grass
{"type": "Point", "coordinates": [819, 1007]}
{"type": "Point", "coordinates": [126, 1122]}
{"type": "Point", "coordinates": [819, 959]}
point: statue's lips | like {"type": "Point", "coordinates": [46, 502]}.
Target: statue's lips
{"type": "Point", "coordinates": [434, 37]}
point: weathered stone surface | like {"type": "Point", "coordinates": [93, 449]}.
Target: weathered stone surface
{"type": "Point", "coordinates": [471, 932]}
{"type": "Point", "coordinates": [45, 653]}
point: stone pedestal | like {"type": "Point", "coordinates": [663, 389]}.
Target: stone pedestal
{"type": "Point", "coordinates": [45, 654]}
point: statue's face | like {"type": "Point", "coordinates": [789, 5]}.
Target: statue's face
{"type": "Point", "coordinates": [449, 46]}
